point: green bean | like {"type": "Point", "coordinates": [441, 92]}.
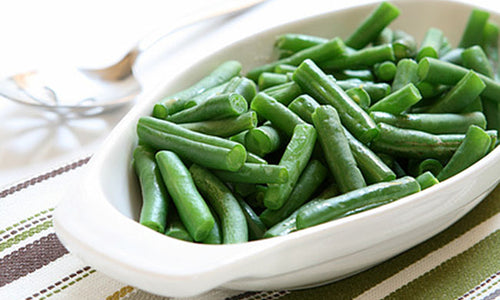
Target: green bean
{"type": "Point", "coordinates": [414, 143]}
{"type": "Point", "coordinates": [385, 37]}
{"type": "Point", "coordinates": [239, 137]}
{"type": "Point", "coordinates": [174, 103]}
{"type": "Point", "coordinates": [356, 201]}
{"type": "Point", "coordinates": [376, 91]}
{"type": "Point", "coordinates": [192, 209]}
{"type": "Point", "coordinates": [295, 159]}
{"type": "Point", "coordinates": [372, 167]}
{"type": "Point", "coordinates": [336, 149]}
{"type": "Point", "coordinates": [326, 91]}
{"type": "Point", "coordinates": [432, 123]}
{"type": "Point", "coordinates": [255, 173]}
{"type": "Point", "coordinates": [243, 86]}
{"type": "Point", "coordinates": [489, 43]}
{"type": "Point", "coordinates": [365, 75]}
{"type": "Point", "coordinates": [263, 140]}
{"type": "Point", "coordinates": [269, 79]}
{"type": "Point", "coordinates": [210, 151]}
{"type": "Point", "coordinates": [233, 221]}
{"type": "Point", "coordinates": [175, 228]}
{"type": "Point", "coordinates": [284, 93]}
{"type": "Point", "coordinates": [392, 163]}
{"type": "Point", "coordinates": [474, 58]}
{"type": "Point", "coordinates": [426, 180]}
{"type": "Point", "coordinates": [373, 25]}
{"type": "Point", "coordinates": [279, 115]}
{"type": "Point", "coordinates": [360, 96]}
{"type": "Point", "coordinates": [404, 45]}
{"type": "Point", "coordinates": [406, 72]}
{"type": "Point", "coordinates": [428, 165]}
{"type": "Point", "coordinates": [256, 200]}
{"type": "Point", "coordinates": [318, 53]}
{"type": "Point", "coordinates": [288, 225]}
{"type": "Point", "coordinates": [385, 71]}
{"type": "Point", "coordinates": [309, 181]}
{"type": "Point", "coordinates": [256, 228]}
{"type": "Point", "coordinates": [453, 56]}
{"type": "Point", "coordinates": [295, 42]}
{"type": "Point", "coordinates": [474, 147]}
{"type": "Point", "coordinates": [441, 72]}
{"type": "Point", "coordinates": [155, 199]}
{"type": "Point", "coordinates": [224, 127]}
{"type": "Point", "coordinates": [431, 44]}
{"type": "Point", "coordinates": [431, 90]}
{"type": "Point", "coordinates": [491, 110]}
{"type": "Point", "coordinates": [284, 69]}
{"type": "Point", "coordinates": [460, 96]}
{"type": "Point", "coordinates": [475, 106]}
{"type": "Point", "coordinates": [216, 108]}
{"type": "Point", "coordinates": [360, 59]}
{"type": "Point", "coordinates": [304, 106]}
{"type": "Point", "coordinates": [398, 101]}
{"type": "Point", "coordinates": [473, 32]}
{"type": "Point", "coordinates": [446, 47]}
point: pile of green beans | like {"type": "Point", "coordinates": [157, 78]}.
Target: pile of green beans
{"type": "Point", "coordinates": [333, 127]}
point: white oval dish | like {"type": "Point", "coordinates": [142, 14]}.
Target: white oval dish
{"type": "Point", "coordinates": [98, 221]}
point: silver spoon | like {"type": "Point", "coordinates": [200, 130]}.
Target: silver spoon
{"type": "Point", "coordinates": [93, 91]}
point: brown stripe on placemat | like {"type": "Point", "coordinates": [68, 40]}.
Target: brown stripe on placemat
{"type": "Point", "coordinates": [19, 229]}
{"type": "Point", "coordinates": [30, 258]}
{"type": "Point", "coordinates": [63, 283]}
{"type": "Point", "coordinates": [43, 177]}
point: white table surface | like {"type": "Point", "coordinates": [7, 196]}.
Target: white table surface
{"type": "Point", "coordinates": [94, 32]}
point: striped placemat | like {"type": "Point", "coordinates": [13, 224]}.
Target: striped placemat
{"type": "Point", "coordinates": [463, 262]}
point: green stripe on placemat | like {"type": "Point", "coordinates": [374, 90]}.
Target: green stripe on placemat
{"type": "Point", "coordinates": [355, 285]}
{"type": "Point", "coordinates": [445, 282]}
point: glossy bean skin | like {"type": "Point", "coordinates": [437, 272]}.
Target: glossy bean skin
{"type": "Point", "coordinates": [284, 93]}
{"type": "Point", "coordinates": [325, 90]}
{"type": "Point", "coordinates": [474, 58]}
{"type": "Point", "coordinates": [360, 59]}
{"type": "Point", "coordinates": [256, 228]}
{"type": "Point", "coordinates": [426, 180]}
{"type": "Point", "coordinates": [432, 42]}
{"type": "Point", "coordinates": [406, 72]}
{"type": "Point", "coordinates": [192, 208]}
{"type": "Point", "coordinates": [356, 201]}
{"type": "Point", "coordinates": [224, 127]}
{"type": "Point", "coordinates": [295, 159]}
{"type": "Point", "coordinates": [175, 103]}
{"type": "Point", "coordinates": [264, 139]}
{"type": "Point", "coordinates": [475, 146]}
{"type": "Point", "coordinates": [255, 173]}
{"type": "Point", "coordinates": [398, 101]}
{"type": "Point", "coordinates": [473, 32]}
{"type": "Point", "coordinates": [155, 199]}
{"type": "Point", "coordinates": [233, 222]}
{"type": "Point", "coordinates": [176, 229]}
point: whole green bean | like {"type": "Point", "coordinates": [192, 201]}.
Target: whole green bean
{"type": "Point", "coordinates": [426, 180]}
{"type": "Point", "coordinates": [398, 101]}
{"type": "Point", "coordinates": [279, 115]}
{"type": "Point", "coordinates": [175, 103]}
{"type": "Point", "coordinates": [356, 201]}
{"type": "Point", "coordinates": [216, 108]}
{"type": "Point", "coordinates": [460, 96]}
{"type": "Point", "coordinates": [474, 147]}
{"type": "Point", "coordinates": [233, 222]}
{"type": "Point", "coordinates": [295, 159]}
{"type": "Point", "coordinates": [336, 149]}
{"type": "Point", "coordinates": [432, 123]}
{"type": "Point", "coordinates": [309, 181]}
{"type": "Point", "coordinates": [155, 199]}
{"type": "Point", "coordinates": [318, 53]}
{"type": "Point", "coordinates": [411, 143]}
{"type": "Point", "coordinates": [209, 155]}
{"type": "Point", "coordinates": [473, 32]}
{"type": "Point", "coordinates": [373, 25]}
{"type": "Point", "coordinates": [192, 209]}
{"type": "Point", "coordinates": [224, 127]}
{"type": "Point", "coordinates": [255, 173]}
{"type": "Point", "coordinates": [326, 91]}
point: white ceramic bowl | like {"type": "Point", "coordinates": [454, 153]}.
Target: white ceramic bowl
{"type": "Point", "coordinates": [99, 221]}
